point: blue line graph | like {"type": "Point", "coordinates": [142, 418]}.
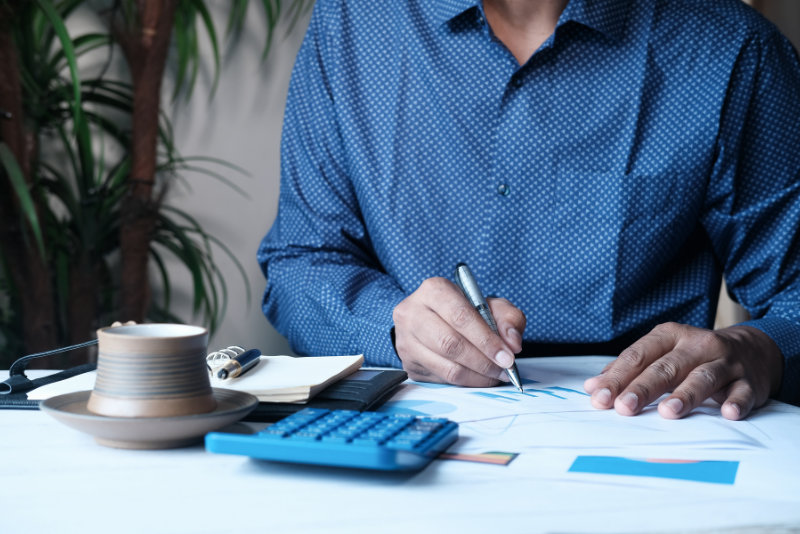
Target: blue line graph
{"type": "Point", "coordinates": [540, 391]}
{"type": "Point", "coordinates": [524, 393]}
{"type": "Point", "coordinates": [417, 407]}
{"type": "Point", "coordinates": [493, 396]}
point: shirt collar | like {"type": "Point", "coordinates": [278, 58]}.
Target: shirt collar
{"type": "Point", "coordinates": [449, 9]}
{"type": "Point", "coordinates": [605, 16]}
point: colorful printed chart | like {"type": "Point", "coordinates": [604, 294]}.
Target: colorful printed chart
{"type": "Point", "coordinates": [496, 458]}
{"type": "Point", "coordinates": [695, 470]}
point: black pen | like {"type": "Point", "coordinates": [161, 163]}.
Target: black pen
{"type": "Point", "coordinates": [239, 365]}
{"type": "Point", "coordinates": [469, 286]}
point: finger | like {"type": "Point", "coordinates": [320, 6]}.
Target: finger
{"type": "Point", "coordinates": [631, 363]}
{"type": "Point", "coordinates": [700, 384]}
{"type": "Point", "coordinates": [510, 321]}
{"type": "Point", "coordinates": [664, 374]}
{"type": "Point", "coordinates": [439, 337]}
{"type": "Point", "coordinates": [431, 367]}
{"type": "Point", "coordinates": [447, 301]}
{"type": "Point", "coordinates": [739, 402]}
{"type": "Point", "coordinates": [590, 384]}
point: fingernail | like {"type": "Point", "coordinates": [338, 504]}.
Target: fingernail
{"type": "Point", "coordinates": [675, 405]}
{"type": "Point", "coordinates": [630, 400]}
{"type": "Point", "coordinates": [514, 335]}
{"type": "Point", "coordinates": [504, 359]}
{"type": "Point", "coordinates": [603, 396]}
{"type": "Point", "coordinates": [736, 408]}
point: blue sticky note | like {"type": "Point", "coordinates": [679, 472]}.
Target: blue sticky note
{"type": "Point", "coordinates": [715, 472]}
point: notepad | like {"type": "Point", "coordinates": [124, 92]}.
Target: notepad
{"type": "Point", "coordinates": [287, 379]}
{"type": "Point", "coordinates": [274, 379]}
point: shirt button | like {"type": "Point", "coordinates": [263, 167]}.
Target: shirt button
{"type": "Point", "coordinates": [516, 82]}
{"type": "Point", "coordinates": [504, 190]}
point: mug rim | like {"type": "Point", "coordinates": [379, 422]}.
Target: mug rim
{"type": "Point", "coordinates": [115, 331]}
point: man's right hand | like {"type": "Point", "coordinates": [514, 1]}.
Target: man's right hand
{"type": "Point", "coordinates": [440, 337]}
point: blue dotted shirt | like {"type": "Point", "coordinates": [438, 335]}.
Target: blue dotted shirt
{"type": "Point", "coordinates": [604, 187]}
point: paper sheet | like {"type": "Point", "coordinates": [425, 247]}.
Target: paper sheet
{"type": "Point", "coordinates": [555, 412]}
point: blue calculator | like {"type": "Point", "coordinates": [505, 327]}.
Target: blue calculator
{"type": "Point", "coordinates": [345, 438]}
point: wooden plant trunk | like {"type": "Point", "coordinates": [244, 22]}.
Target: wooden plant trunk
{"type": "Point", "coordinates": [146, 46]}
{"type": "Point", "coordinates": [28, 270]}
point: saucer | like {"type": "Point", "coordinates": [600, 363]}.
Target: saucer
{"type": "Point", "coordinates": [148, 432]}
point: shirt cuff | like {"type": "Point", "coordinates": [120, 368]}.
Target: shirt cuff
{"type": "Point", "coordinates": [375, 335]}
{"type": "Point", "coordinates": [786, 334]}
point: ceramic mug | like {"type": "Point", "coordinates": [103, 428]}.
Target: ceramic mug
{"type": "Point", "coordinates": [152, 370]}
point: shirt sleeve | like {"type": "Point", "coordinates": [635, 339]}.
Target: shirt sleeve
{"type": "Point", "coordinates": [326, 289]}
{"type": "Point", "coordinates": [753, 202]}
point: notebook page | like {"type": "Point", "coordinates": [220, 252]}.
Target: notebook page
{"type": "Point", "coordinates": [285, 372]}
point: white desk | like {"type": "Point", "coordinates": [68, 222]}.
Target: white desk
{"type": "Point", "coordinates": [54, 479]}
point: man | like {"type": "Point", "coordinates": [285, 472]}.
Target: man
{"type": "Point", "coordinates": [598, 163]}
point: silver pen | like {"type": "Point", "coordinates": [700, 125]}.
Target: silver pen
{"type": "Point", "coordinates": [469, 286]}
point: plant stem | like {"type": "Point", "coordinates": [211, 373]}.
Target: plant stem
{"type": "Point", "coordinates": [27, 267]}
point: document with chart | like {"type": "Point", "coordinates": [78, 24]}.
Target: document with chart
{"type": "Point", "coordinates": [555, 412]}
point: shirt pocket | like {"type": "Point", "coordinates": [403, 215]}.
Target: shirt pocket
{"type": "Point", "coordinates": [660, 211]}
{"type": "Point", "coordinates": [652, 196]}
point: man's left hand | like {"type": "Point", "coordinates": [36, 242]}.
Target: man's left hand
{"type": "Point", "coordinates": [739, 367]}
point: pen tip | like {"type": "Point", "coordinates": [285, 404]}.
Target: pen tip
{"type": "Point", "coordinates": [520, 389]}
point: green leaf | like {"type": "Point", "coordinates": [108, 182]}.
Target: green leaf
{"type": "Point", "coordinates": [62, 277]}
{"type": "Point", "coordinates": [272, 20]}
{"type": "Point", "coordinates": [216, 176]}
{"type": "Point", "coordinates": [69, 53]}
{"type": "Point", "coordinates": [21, 189]}
{"type": "Point", "coordinates": [212, 36]}
{"type": "Point", "coordinates": [165, 281]}
{"type": "Point", "coordinates": [81, 45]}
{"type": "Point", "coordinates": [185, 250]}
{"type": "Point", "coordinates": [218, 161]}
{"type": "Point", "coordinates": [237, 16]}
{"type": "Point", "coordinates": [181, 31]}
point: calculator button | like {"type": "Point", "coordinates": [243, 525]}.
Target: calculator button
{"type": "Point", "coordinates": [427, 425]}
{"type": "Point", "coordinates": [305, 436]}
{"type": "Point", "coordinates": [271, 433]}
{"type": "Point", "coordinates": [335, 439]}
{"type": "Point", "coordinates": [320, 426]}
